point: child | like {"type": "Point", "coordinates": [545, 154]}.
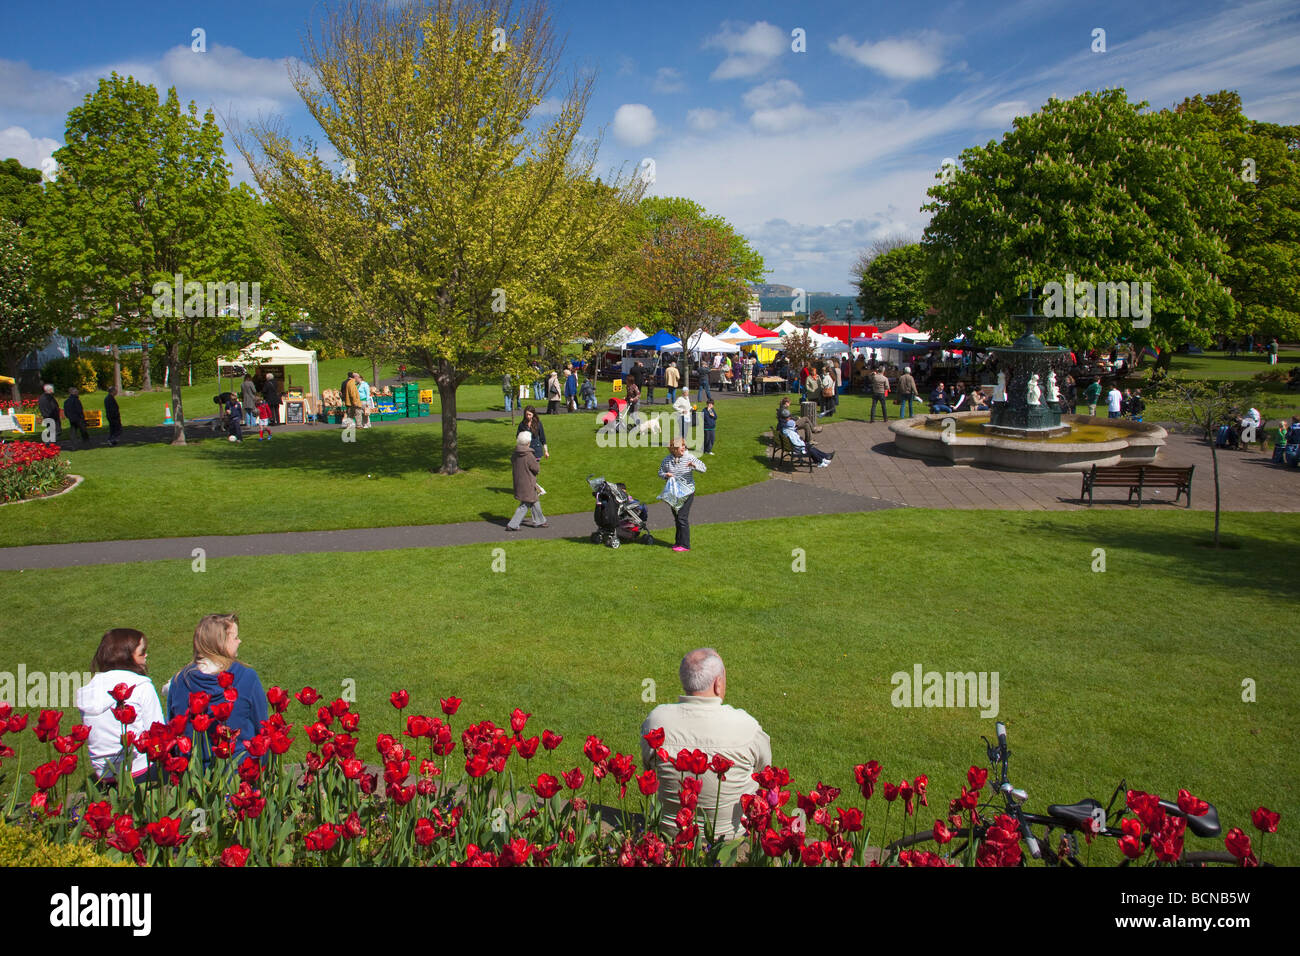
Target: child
{"type": "Point", "coordinates": [235, 412]}
{"type": "Point", "coordinates": [710, 427]}
{"type": "Point", "coordinates": [1136, 406]}
{"type": "Point", "coordinates": [263, 421]}
{"type": "Point", "coordinates": [1279, 443]}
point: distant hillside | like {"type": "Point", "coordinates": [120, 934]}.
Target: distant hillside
{"type": "Point", "coordinates": [773, 289]}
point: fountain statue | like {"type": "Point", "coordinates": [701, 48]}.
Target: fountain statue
{"type": "Point", "coordinates": [1032, 391]}
{"type": "Point", "coordinates": [1000, 390]}
{"type": "Point", "coordinates": [1053, 393]}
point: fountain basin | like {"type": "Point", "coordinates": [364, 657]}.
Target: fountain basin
{"type": "Point", "coordinates": [1090, 441]}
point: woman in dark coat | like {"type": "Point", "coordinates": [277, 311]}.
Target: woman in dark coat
{"type": "Point", "coordinates": [272, 396]}
{"type": "Point", "coordinates": [533, 425]}
{"type": "Point", "coordinates": [526, 468]}
{"type": "Point", "coordinates": [76, 415]}
{"type": "Point", "coordinates": [114, 415]}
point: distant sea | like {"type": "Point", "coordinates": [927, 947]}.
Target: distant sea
{"type": "Point", "coordinates": [827, 303]}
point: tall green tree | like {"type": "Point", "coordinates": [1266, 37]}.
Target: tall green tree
{"type": "Point", "coordinates": [142, 195]}
{"type": "Point", "coordinates": [1093, 188]}
{"type": "Point", "coordinates": [455, 210]}
{"type": "Point", "coordinates": [1263, 234]}
{"type": "Point", "coordinates": [24, 324]}
{"type": "Point", "coordinates": [691, 270]}
{"type": "Point", "coordinates": [892, 286]}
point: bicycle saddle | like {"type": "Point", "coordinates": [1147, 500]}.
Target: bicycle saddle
{"type": "Point", "coordinates": [1074, 812]}
{"type": "Point", "coordinates": [1206, 825]}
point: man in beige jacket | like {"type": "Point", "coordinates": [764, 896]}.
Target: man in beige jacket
{"type": "Point", "coordinates": [701, 721]}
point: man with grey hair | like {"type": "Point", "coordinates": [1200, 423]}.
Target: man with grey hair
{"type": "Point", "coordinates": [701, 721]}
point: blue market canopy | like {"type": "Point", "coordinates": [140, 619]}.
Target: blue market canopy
{"type": "Point", "coordinates": [655, 342]}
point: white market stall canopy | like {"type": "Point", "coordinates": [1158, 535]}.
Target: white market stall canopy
{"type": "Point", "coordinates": [623, 336]}
{"type": "Point", "coordinates": [702, 341]}
{"type": "Point", "coordinates": [786, 327]}
{"type": "Point", "coordinates": [270, 349]}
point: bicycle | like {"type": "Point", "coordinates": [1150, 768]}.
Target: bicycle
{"type": "Point", "coordinates": [1086, 816]}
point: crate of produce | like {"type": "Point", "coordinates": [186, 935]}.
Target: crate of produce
{"type": "Point", "coordinates": [424, 409]}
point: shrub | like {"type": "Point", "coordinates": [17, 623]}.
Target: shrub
{"type": "Point", "coordinates": [103, 365]}
{"type": "Point", "coordinates": [30, 468]}
{"type": "Point", "coordinates": [1274, 374]}
{"type": "Point", "coordinates": [20, 847]}
{"type": "Point", "coordinates": [66, 373]}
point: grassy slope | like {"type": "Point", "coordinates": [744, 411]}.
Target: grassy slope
{"type": "Point", "coordinates": [1135, 672]}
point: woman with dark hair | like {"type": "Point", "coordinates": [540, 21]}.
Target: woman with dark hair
{"type": "Point", "coordinates": [120, 683]}
{"type": "Point", "coordinates": [533, 425]}
{"type": "Point", "coordinates": [213, 672]}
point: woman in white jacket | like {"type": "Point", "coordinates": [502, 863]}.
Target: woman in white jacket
{"type": "Point", "coordinates": [121, 669]}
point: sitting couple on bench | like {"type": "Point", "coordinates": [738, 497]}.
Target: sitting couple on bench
{"type": "Point", "coordinates": [787, 428]}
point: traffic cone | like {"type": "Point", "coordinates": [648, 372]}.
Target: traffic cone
{"type": "Point", "coordinates": [167, 415]}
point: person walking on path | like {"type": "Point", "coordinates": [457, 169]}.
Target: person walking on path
{"type": "Point", "coordinates": [533, 425]}
{"type": "Point", "coordinates": [505, 390]}
{"type": "Point", "coordinates": [571, 389]}
{"type": "Point", "coordinates": [76, 415]}
{"type": "Point", "coordinates": [679, 467]}
{"type": "Point", "coordinates": [553, 393]}
{"type": "Point", "coordinates": [588, 394]}
{"type": "Point", "coordinates": [1092, 395]}
{"type": "Point", "coordinates": [907, 393]}
{"type": "Point", "coordinates": [879, 392]}
{"type": "Point", "coordinates": [1272, 351]}
{"type": "Point", "coordinates": [671, 379]}
{"type": "Point", "coordinates": [272, 395]}
{"type": "Point", "coordinates": [526, 468]}
{"type": "Point", "coordinates": [48, 406]}
{"type": "Point", "coordinates": [703, 391]}
{"type": "Point", "coordinates": [248, 398]}
{"type": "Point", "coordinates": [1114, 402]}
{"type": "Point", "coordinates": [114, 415]}
{"type": "Point", "coordinates": [710, 427]}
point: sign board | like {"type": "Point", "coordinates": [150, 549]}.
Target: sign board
{"type": "Point", "coordinates": [295, 412]}
{"type": "Point", "coordinates": [26, 422]}
{"type": "Point", "coordinates": [94, 418]}
{"type": "Point", "coordinates": [426, 396]}
{"type": "Point", "coordinates": [9, 422]}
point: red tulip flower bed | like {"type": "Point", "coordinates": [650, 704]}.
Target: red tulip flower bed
{"type": "Point", "coordinates": [448, 795]}
{"type": "Point", "coordinates": [29, 404]}
{"type": "Point", "coordinates": [30, 468]}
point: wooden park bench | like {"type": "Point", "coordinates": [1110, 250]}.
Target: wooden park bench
{"type": "Point", "coordinates": [1136, 478]}
{"type": "Point", "coordinates": [783, 451]}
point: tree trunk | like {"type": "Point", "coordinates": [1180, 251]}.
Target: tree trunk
{"type": "Point", "coordinates": [174, 376]}
{"type": "Point", "coordinates": [146, 378]}
{"type": "Point", "coordinates": [117, 370]}
{"type": "Point", "coordinates": [12, 361]}
{"type": "Point", "coordinates": [446, 379]}
{"type": "Point", "coordinates": [374, 372]}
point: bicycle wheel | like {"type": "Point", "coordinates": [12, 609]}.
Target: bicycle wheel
{"type": "Point", "coordinates": [924, 840]}
{"type": "Point", "coordinates": [1207, 858]}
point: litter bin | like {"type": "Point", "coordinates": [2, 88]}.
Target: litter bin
{"type": "Point", "coordinates": [809, 411]}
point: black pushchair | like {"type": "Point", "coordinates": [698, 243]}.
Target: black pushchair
{"type": "Point", "coordinates": [619, 517]}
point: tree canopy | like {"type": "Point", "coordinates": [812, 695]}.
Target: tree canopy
{"type": "Point", "coordinates": [892, 286]}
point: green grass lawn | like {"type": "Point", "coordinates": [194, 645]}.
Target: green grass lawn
{"type": "Point", "coordinates": [312, 480]}
{"type": "Point", "coordinates": [1133, 673]}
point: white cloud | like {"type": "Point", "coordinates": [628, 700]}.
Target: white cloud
{"type": "Point", "coordinates": [668, 80]}
{"type": "Point", "coordinates": [703, 120]}
{"type": "Point", "coordinates": [549, 106]}
{"type": "Point", "coordinates": [1001, 114]}
{"type": "Point", "coordinates": [900, 58]}
{"type": "Point", "coordinates": [750, 50]}
{"type": "Point", "coordinates": [634, 124]}
{"type": "Point", "coordinates": [772, 94]}
{"type": "Point", "coordinates": [17, 143]}
{"type": "Point", "coordinates": [784, 119]}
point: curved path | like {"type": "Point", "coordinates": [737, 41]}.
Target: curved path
{"type": "Point", "coordinates": [867, 475]}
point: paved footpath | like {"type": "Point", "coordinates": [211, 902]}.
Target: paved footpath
{"type": "Point", "coordinates": [867, 475]}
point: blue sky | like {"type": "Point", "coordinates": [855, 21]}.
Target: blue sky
{"type": "Point", "coordinates": [811, 155]}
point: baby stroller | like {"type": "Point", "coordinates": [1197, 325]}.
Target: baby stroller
{"type": "Point", "coordinates": [619, 517]}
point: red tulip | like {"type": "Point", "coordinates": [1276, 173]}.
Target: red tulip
{"type": "Point", "coordinates": [890, 791]}
{"type": "Point", "coordinates": [574, 778]}
{"type": "Point", "coordinates": [307, 696]}
{"type": "Point", "coordinates": [518, 719]}
{"type": "Point", "coordinates": [850, 819]}
{"type": "Point", "coordinates": [551, 740]}
{"type": "Point", "coordinates": [1190, 805]}
{"type": "Point", "coordinates": [655, 738]}
{"type": "Point", "coordinates": [976, 778]}
{"type": "Point", "coordinates": [1238, 843]}
{"type": "Point", "coordinates": [648, 783]}
{"type": "Point", "coordinates": [99, 820]}
{"type": "Point", "coordinates": [322, 838]}
{"type": "Point", "coordinates": [166, 832]}
{"type": "Point", "coordinates": [122, 692]}
{"type": "Point", "coordinates": [225, 679]}
{"type": "Point", "coordinates": [919, 785]}
{"type": "Point", "coordinates": [417, 725]}
{"type": "Point", "coordinates": [450, 705]}
{"type": "Point", "coordinates": [234, 855]}
{"type": "Point", "coordinates": [942, 834]}
{"type": "Point", "coordinates": [352, 827]}
{"type": "Point", "coordinates": [47, 725]}
{"type": "Point", "coordinates": [595, 749]}
{"type": "Point", "coordinates": [547, 786]}
{"type": "Point", "coordinates": [1131, 845]}
{"type": "Point", "coordinates": [527, 747]}
{"type": "Point", "coordinates": [349, 721]}
{"type": "Point", "coordinates": [689, 796]}
{"type": "Point", "coordinates": [399, 699]}
{"type": "Point", "coordinates": [720, 765]}
{"type": "Point", "coordinates": [1265, 820]}
{"type": "Point", "coordinates": [866, 775]}
{"type": "Point", "coordinates": [250, 770]}
{"type": "Point", "coordinates": [124, 714]}
{"type": "Point", "coordinates": [278, 698]}
{"type": "Point", "coordinates": [17, 723]}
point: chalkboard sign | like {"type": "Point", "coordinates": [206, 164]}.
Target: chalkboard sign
{"type": "Point", "coordinates": [294, 413]}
